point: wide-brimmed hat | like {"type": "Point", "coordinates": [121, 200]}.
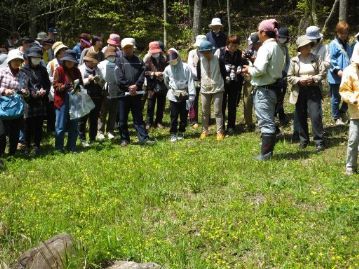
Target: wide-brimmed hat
{"type": "Point", "coordinates": [34, 51]}
{"type": "Point", "coordinates": [70, 56]}
{"type": "Point", "coordinates": [91, 56]}
{"type": "Point", "coordinates": [313, 33]}
{"type": "Point", "coordinates": [215, 22]}
{"type": "Point", "coordinates": [283, 32]}
{"type": "Point", "coordinates": [154, 47]}
{"type": "Point", "coordinates": [41, 36]}
{"type": "Point", "coordinates": [253, 39]}
{"type": "Point", "coordinates": [110, 51]}
{"type": "Point", "coordinates": [48, 41]}
{"type": "Point", "coordinates": [13, 55]}
{"type": "Point", "coordinates": [199, 39]}
{"type": "Point", "coordinates": [57, 46]}
{"type": "Point", "coordinates": [172, 55]}
{"type": "Point", "coordinates": [114, 40]}
{"type": "Point", "coordinates": [302, 41]}
{"type": "Point", "coordinates": [205, 46]}
{"type": "Point", "coordinates": [128, 42]}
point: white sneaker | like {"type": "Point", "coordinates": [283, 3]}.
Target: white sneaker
{"type": "Point", "coordinates": [180, 136]}
{"type": "Point", "coordinates": [85, 144]}
{"type": "Point", "coordinates": [339, 122]}
{"type": "Point", "coordinates": [173, 138]}
{"type": "Point", "coordinates": [100, 137]}
{"type": "Point", "coordinates": [110, 136]}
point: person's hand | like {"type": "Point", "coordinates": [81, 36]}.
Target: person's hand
{"type": "Point", "coordinates": [151, 93]}
{"type": "Point", "coordinates": [8, 92]}
{"type": "Point", "coordinates": [133, 90]}
{"type": "Point", "coordinates": [25, 92]}
{"type": "Point", "coordinates": [42, 92]}
{"type": "Point", "coordinates": [340, 73]}
{"type": "Point", "coordinates": [245, 69]}
{"type": "Point", "coordinates": [91, 77]}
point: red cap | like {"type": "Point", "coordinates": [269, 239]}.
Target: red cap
{"type": "Point", "coordinates": [154, 47]}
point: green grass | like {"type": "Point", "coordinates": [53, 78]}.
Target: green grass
{"type": "Point", "coordinates": [193, 204]}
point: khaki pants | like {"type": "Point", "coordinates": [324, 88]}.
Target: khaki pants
{"type": "Point", "coordinates": [206, 110]}
{"type": "Point", "coordinates": [247, 103]}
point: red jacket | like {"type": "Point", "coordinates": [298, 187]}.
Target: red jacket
{"type": "Point", "coordinates": [62, 80]}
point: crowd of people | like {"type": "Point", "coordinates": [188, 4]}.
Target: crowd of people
{"type": "Point", "coordinates": [39, 76]}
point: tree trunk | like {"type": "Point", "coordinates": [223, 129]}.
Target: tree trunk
{"type": "Point", "coordinates": [331, 15]}
{"type": "Point", "coordinates": [229, 17]}
{"type": "Point", "coordinates": [197, 10]}
{"type": "Point", "coordinates": [343, 10]}
{"type": "Point", "coordinates": [32, 21]}
{"type": "Point", "coordinates": [314, 12]}
{"type": "Point", "coordinates": [165, 22]}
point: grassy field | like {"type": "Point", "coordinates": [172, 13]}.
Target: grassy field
{"type": "Point", "coordinates": [189, 205]}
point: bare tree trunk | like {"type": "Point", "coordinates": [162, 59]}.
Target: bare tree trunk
{"type": "Point", "coordinates": [331, 15]}
{"type": "Point", "coordinates": [343, 10]}
{"type": "Point", "coordinates": [197, 10]}
{"type": "Point", "coordinates": [165, 22]}
{"type": "Point", "coordinates": [314, 12]}
{"type": "Point", "coordinates": [229, 17]}
{"type": "Point", "coordinates": [32, 23]}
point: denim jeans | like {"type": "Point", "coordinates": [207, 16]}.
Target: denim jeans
{"type": "Point", "coordinates": [63, 123]}
{"type": "Point", "coordinates": [265, 101]}
{"type": "Point", "coordinates": [133, 104]}
{"type": "Point", "coordinates": [335, 101]}
{"type": "Point", "coordinates": [353, 142]}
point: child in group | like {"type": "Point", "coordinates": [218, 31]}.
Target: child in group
{"type": "Point", "coordinates": [181, 91]}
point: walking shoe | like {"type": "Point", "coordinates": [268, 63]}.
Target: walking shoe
{"type": "Point", "coordinates": [230, 131]}
{"type": "Point", "coordinates": [100, 137]}
{"type": "Point", "coordinates": [148, 142]}
{"type": "Point", "coordinates": [267, 147]}
{"type": "Point", "coordinates": [339, 122]}
{"type": "Point", "coordinates": [204, 134]}
{"type": "Point", "coordinates": [350, 171]}
{"type": "Point", "coordinates": [160, 126]}
{"type": "Point", "coordinates": [110, 136]}
{"type": "Point", "coordinates": [148, 126]}
{"type": "Point", "coordinates": [319, 148]}
{"type": "Point", "coordinates": [180, 136]}
{"type": "Point", "coordinates": [124, 143]}
{"type": "Point", "coordinates": [303, 145]}
{"type": "Point", "coordinates": [20, 146]}
{"type": "Point", "coordinates": [85, 144]}
{"type": "Point", "coordinates": [220, 136]}
{"type": "Point", "coordinates": [195, 126]}
{"type": "Point", "coordinates": [37, 151]}
{"type": "Point", "coordinates": [173, 138]}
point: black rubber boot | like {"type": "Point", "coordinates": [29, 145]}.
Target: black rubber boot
{"type": "Point", "coordinates": [267, 148]}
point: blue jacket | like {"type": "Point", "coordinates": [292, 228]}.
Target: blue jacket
{"type": "Point", "coordinates": [218, 40]}
{"type": "Point", "coordinates": [78, 51]}
{"type": "Point", "coordinates": [338, 59]}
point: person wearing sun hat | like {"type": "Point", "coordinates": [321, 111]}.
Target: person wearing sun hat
{"type": "Point", "coordinates": [266, 73]}
{"type": "Point", "coordinates": [65, 75]}
{"type": "Point", "coordinates": [349, 91]}
{"type": "Point", "coordinates": [96, 46]}
{"type": "Point", "coordinates": [192, 61]}
{"type": "Point", "coordinates": [114, 40]}
{"type": "Point", "coordinates": [58, 48]}
{"type": "Point", "coordinates": [94, 86]}
{"type": "Point", "coordinates": [305, 75]}
{"type": "Point", "coordinates": [85, 42]}
{"type": "Point", "coordinates": [13, 80]}
{"type": "Point", "coordinates": [156, 89]}
{"type": "Point", "coordinates": [319, 48]}
{"type": "Point", "coordinates": [110, 105]}
{"type": "Point", "coordinates": [36, 105]}
{"type": "Point", "coordinates": [216, 36]}
{"type": "Point", "coordinates": [210, 72]}
{"type": "Point", "coordinates": [130, 76]}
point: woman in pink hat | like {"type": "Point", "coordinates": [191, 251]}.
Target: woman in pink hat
{"type": "Point", "coordinates": [114, 40]}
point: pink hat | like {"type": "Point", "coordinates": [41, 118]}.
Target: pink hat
{"type": "Point", "coordinates": [270, 25]}
{"type": "Point", "coordinates": [114, 40]}
{"type": "Point", "coordinates": [154, 47]}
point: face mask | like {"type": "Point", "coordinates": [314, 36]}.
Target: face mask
{"type": "Point", "coordinates": [156, 55]}
{"type": "Point", "coordinates": [111, 59]}
{"type": "Point", "coordinates": [35, 61]}
{"type": "Point", "coordinates": [282, 40]}
{"type": "Point", "coordinates": [174, 62]}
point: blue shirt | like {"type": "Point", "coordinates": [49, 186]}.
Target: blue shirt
{"type": "Point", "coordinates": [340, 54]}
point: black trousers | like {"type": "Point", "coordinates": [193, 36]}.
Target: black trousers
{"type": "Point", "coordinates": [309, 104]}
{"type": "Point", "coordinates": [194, 119]}
{"type": "Point", "coordinates": [152, 99]}
{"type": "Point", "coordinates": [178, 109]}
{"type": "Point", "coordinates": [133, 104]}
{"type": "Point", "coordinates": [280, 102]}
{"type": "Point", "coordinates": [33, 130]}
{"type": "Point", "coordinates": [232, 91]}
{"type": "Point", "coordinates": [92, 118]}
{"type": "Point", "coordinates": [12, 130]}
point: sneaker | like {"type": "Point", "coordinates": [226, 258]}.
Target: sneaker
{"type": "Point", "coordinates": [180, 136]}
{"type": "Point", "coordinates": [37, 151]}
{"type": "Point", "coordinates": [21, 146]}
{"type": "Point", "coordinates": [160, 126]}
{"type": "Point", "coordinates": [124, 143]}
{"type": "Point", "coordinates": [148, 142]}
{"type": "Point", "coordinates": [173, 138]}
{"type": "Point", "coordinates": [339, 122]}
{"type": "Point", "coordinates": [148, 126]}
{"type": "Point", "coordinates": [303, 145]}
{"type": "Point", "coordinates": [350, 171]}
{"type": "Point", "coordinates": [100, 137]}
{"type": "Point", "coordinates": [195, 126]}
{"type": "Point", "coordinates": [204, 134]}
{"type": "Point", "coordinates": [319, 148]}
{"type": "Point", "coordinates": [110, 136]}
{"type": "Point", "coordinates": [230, 131]}
{"type": "Point", "coordinates": [85, 144]}
{"type": "Point", "coordinates": [220, 136]}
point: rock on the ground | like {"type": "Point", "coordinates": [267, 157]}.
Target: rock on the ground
{"type": "Point", "coordinates": [48, 255]}
{"type": "Point", "coordinates": [134, 265]}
